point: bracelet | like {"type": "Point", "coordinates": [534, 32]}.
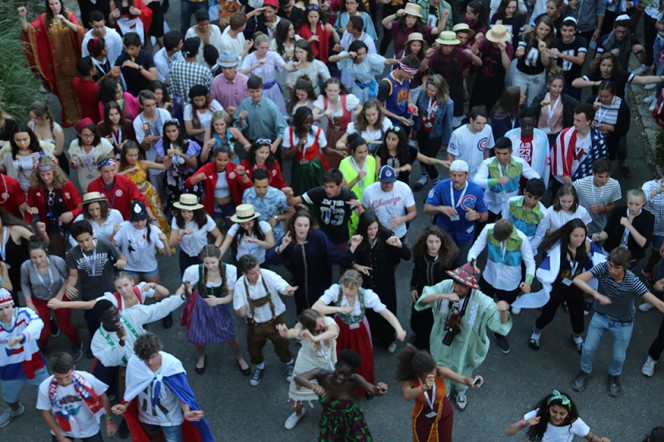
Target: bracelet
{"type": "Point", "coordinates": [109, 418]}
{"type": "Point", "coordinates": [522, 424]}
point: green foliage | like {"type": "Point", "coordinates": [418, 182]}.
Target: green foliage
{"type": "Point", "coordinates": [18, 84]}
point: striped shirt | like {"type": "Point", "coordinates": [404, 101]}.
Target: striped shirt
{"type": "Point", "coordinates": [655, 205]}
{"type": "Point", "coordinates": [608, 114]}
{"type": "Point", "coordinates": [591, 195]}
{"type": "Point", "coordinates": [468, 146]}
{"type": "Point", "coordinates": [621, 294]}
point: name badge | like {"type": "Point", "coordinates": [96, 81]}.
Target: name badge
{"type": "Point", "coordinates": [431, 415]}
{"type": "Point", "coordinates": [567, 282]}
{"type": "Point", "coordinates": [455, 218]}
{"type": "Point", "coordinates": [354, 326]}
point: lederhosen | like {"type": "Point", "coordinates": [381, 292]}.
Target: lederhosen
{"type": "Point", "coordinates": [259, 332]}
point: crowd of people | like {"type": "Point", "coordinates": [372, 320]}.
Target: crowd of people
{"type": "Point", "coordinates": [274, 142]}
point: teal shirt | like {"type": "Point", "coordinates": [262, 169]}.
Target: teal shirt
{"type": "Point", "coordinates": [264, 119]}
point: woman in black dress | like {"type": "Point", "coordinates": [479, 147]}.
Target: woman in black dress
{"type": "Point", "coordinates": [309, 255]}
{"type": "Point", "coordinates": [375, 252]}
{"type": "Point", "coordinates": [434, 253]}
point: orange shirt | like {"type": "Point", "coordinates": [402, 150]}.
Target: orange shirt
{"type": "Point", "coordinates": [421, 406]}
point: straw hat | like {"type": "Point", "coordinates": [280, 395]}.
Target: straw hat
{"type": "Point", "coordinates": [413, 9]}
{"type": "Point", "coordinates": [463, 27]}
{"type": "Point", "coordinates": [498, 34]}
{"type": "Point", "coordinates": [244, 213]}
{"type": "Point", "coordinates": [447, 38]}
{"type": "Point", "coordinates": [465, 275]}
{"type": "Point", "coordinates": [188, 201]}
{"type": "Point", "coordinates": [93, 197]}
{"type": "Point", "coordinates": [415, 36]}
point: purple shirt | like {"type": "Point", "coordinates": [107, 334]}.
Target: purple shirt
{"type": "Point", "coordinates": [229, 93]}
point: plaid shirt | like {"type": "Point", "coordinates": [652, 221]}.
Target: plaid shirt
{"type": "Point", "coordinates": [186, 74]}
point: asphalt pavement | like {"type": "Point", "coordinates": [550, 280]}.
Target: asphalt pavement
{"type": "Point", "coordinates": [513, 382]}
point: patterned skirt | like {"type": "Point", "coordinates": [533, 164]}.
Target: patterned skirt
{"type": "Point", "coordinates": [208, 325]}
{"type": "Point", "coordinates": [342, 421]}
{"type": "Point", "coordinates": [154, 203]}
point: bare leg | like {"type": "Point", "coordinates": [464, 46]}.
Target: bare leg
{"type": "Point", "coordinates": [200, 350]}
{"type": "Point", "coordinates": [235, 346]}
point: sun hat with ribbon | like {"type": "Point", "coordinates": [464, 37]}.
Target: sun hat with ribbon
{"type": "Point", "coordinates": [498, 34]}
{"type": "Point", "coordinates": [447, 38]}
{"type": "Point", "coordinates": [244, 213]}
{"type": "Point", "coordinates": [413, 9]}
{"type": "Point", "coordinates": [188, 201]}
{"type": "Point", "coordinates": [93, 197]}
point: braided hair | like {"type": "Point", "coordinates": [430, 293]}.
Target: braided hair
{"type": "Point", "coordinates": [212, 251]}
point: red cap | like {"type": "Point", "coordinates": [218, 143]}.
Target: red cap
{"type": "Point", "coordinates": [82, 124]}
{"type": "Point", "coordinates": [273, 3]}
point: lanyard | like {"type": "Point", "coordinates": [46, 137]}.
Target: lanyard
{"type": "Point", "coordinates": [325, 356]}
{"type": "Point", "coordinates": [595, 199]}
{"type": "Point", "coordinates": [50, 278]}
{"type": "Point", "coordinates": [551, 109]}
{"type": "Point", "coordinates": [358, 169]}
{"type": "Point", "coordinates": [460, 196]}
{"type": "Point", "coordinates": [430, 399]}
{"type": "Point", "coordinates": [573, 266]}
{"type": "Point", "coordinates": [117, 139]}
{"type": "Point", "coordinates": [600, 117]}
{"type": "Point", "coordinates": [500, 170]}
{"type": "Point", "coordinates": [503, 250]}
{"type": "Point", "coordinates": [431, 108]}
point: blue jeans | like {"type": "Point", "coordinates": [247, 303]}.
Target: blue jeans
{"type": "Point", "coordinates": [187, 7]}
{"type": "Point", "coordinates": [622, 333]}
{"type": "Point", "coordinates": [172, 434]}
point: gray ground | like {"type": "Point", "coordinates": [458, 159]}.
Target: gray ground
{"type": "Point", "coordinates": [514, 382]}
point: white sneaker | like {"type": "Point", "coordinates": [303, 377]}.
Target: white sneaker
{"type": "Point", "coordinates": [650, 87]}
{"type": "Point", "coordinates": [461, 401]}
{"type": "Point", "coordinates": [648, 368]}
{"type": "Point", "coordinates": [293, 419]}
{"type": "Point", "coordinates": [516, 310]}
{"type": "Point", "coordinates": [392, 348]}
{"type": "Point", "coordinates": [640, 70]}
{"type": "Point", "coordinates": [646, 307]}
{"type": "Point", "coordinates": [7, 416]}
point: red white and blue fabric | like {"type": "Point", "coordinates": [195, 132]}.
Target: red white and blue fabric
{"type": "Point", "coordinates": [562, 154]}
{"type": "Point", "coordinates": [173, 376]}
{"type": "Point", "coordinates": [22, 360]}
{"type": "Point", "coordinates": [85, 391]}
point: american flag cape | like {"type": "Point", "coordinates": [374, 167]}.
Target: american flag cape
{"type": "Point", "coordinates": [563, 151]}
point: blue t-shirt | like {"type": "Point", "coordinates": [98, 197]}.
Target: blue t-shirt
{"type": "Point", "coordinates": [461, 230]}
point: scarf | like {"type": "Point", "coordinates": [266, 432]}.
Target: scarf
{"type": "Point", "coordinates": [86, 393]}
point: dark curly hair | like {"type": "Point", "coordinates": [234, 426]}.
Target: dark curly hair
{"type": "Point", "coordinates": [413, 363]}
{"type": "Point", "coordinates": [536, 432]}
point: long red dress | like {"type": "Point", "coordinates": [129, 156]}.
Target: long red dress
{"type": "Point", "coordinates": [52, 51]}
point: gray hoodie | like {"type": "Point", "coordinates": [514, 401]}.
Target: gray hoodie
{"type": "Point", "coordinates": [586, 14]}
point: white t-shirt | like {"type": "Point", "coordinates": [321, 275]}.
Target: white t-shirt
{"type": "Point", "coordinates": [581, 150]}
{"type": "Point", "coordinates": [371, 135]}
{"type": "Point", "coordinates": [140, 253]}
{"type": "Point", "coordinates": [244, 247]}
{"type": "Point", "coordinates": [470, 147]}
{"type": "Point", "coordinates": [562, 434]}
{"type": "Point", "coordinates": [204, 118]}
{"type": "Point", "coordinates": [388, 205]}
{"type": "Point", "coordinates": [83, 422]}
{"type": "Point", "coordinates": [167, 414]}
{"type": "Point", "coordinates": [371, 300]}
{"type": "Point", "coordinates": [193, 243]}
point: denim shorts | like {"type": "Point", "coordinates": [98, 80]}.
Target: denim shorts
{"type": "Point", "coordinates": [12, 389]}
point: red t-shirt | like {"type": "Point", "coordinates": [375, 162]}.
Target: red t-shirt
{"type": "Point", "coordinates": [87, 93]}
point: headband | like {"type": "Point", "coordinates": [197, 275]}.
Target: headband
{"type": "Point", "coordinates": [107, 162]}
{"type": "Point", "coordinates": [556, 395]}
{"type": "Point", "coordinates": [408, 69]}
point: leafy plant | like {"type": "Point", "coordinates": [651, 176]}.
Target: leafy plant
{"type": "Point", "coordinates": [18, 84]}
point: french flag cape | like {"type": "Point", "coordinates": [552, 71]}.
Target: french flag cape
{"type": "Point", "coordinates": [564, 150]}
{"type": "Point", "coordinates": [550, 268]}
{"type": "Point", "coordinates": [174, 377]}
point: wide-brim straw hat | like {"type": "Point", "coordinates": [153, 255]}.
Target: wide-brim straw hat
{"type": "Point", "coordinates": [465, 275]}
{"type": "Point", "coordinates": [415, 36]}
{"type": "Point", "coordinates": [413, 9]}
{"type": "Point", "coordinates": [188, 201]}
{"type": "Point", "coordinates": [93, 197]}
{"type": "Point", "coordinates": [244, 213]}
{"type": "Point", "coordinates": [447, 38]}
{"type": "Point", "coordinates": [463, 27]}
{"type": "Point", "coordinates": [498, 34]}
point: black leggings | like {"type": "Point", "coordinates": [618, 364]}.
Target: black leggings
{"type": "Point", "coordinates": [657, 346]}
{"type": "Point", "coordinates": [574, 297]}
{"type": "Point", "coordinates": [430, 148]}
